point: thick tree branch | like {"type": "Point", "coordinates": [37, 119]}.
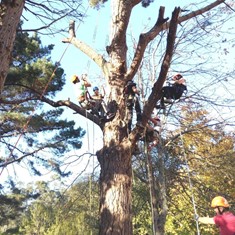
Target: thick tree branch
{"type": "Point", "coordinates": [57, 104]}
{"type": "Point", "coordinates": [144, 40]}
{"type": "Point", "coordinates": [86, 49]}
{"type": "Point", "coordinates": [156, 91]}
{"type": "Point", "coordinates": [195, 13]}
{"type": "Point", "coordinates": [37, 96]}
{"type": "Point", "coordinates": [74, 107]}
{"type": "Point", "coordinates": [136, 2]}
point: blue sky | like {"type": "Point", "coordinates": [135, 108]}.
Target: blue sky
{"type": "Point", "coordinates": [75, 62]}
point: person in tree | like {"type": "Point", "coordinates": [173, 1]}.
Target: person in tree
{"type": "Point", "coordinates": [82, 93]}
{"type": "Point", "coordinates": [153, 132]}
{"type": "Point", "coordinates": [101, 106]}
{"type": "Point", "coordinates": [131, 96]}
{"type": "Point", "coordinates": [224, 219]}
{"type": "Point", "coordinates": [173, 91]}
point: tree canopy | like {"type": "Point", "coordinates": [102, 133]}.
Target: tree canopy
{"type": "Point", "coordinates": [22, 116]}
{"type": "Point", "coordinates": [195, 134]}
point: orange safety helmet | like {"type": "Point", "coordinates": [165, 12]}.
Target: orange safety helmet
{"type": "Point", "coordinates": [219, 201]}
{"type": "Point", "coordinates": [74, 77]}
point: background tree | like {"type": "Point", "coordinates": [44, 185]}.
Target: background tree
{"type": "Point", "coordinates": [71, 211]}
{"type": "Point", "coordinates": [195, 146]}
{"type": "Point", "coordinates": [115, 157]}
{"type": "Point", "coordinates": [13, 201]}
{"type": "Point", "coordinates": [29, 74]}
{"type": "Point", "coordinates": [44, 11]}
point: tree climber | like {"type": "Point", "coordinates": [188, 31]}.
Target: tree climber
{"type": "Point", "coordinates": [173, 91]}
{"type": "Point", "coordinates": [84, 97]}
{"type": "Point", "coordinates": [131, 94]}
{"type": "Point", "coordinates": [153, 132]}
{"type": "Point", "coordinates": [224, 219]}
{"type": "Point", "coordinates": [101, 106]}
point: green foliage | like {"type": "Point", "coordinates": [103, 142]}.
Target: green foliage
{"type": "Point", "coordinates": [72, 212]}
{"type": "Point", "coordinates": [146, 3]}
{"type": "Point", "coordinates": [206, 153]}
{"type": "Point", "coordinates": [206, 147]}
{"type": "Point", "coordinates": [96, 3]}
{"type": "Point", "coordinates": [32, 69]}
{"type": "Point", "coordinates": [12, 207]}
{"type": "Point", "coordinates": [33, 75]}
{"type": "Point", "coordinates": [141, 209]}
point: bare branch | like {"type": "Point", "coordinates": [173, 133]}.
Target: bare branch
{"type": "Point", "coordinates": [144, 40]}
{"type": "Point", "coordinates": [74, 107]}
{"type": "Point", "coordinates": [47, 25]}
{"type": "Point", "coordinates": [156, 92]}
{"type": "Point", "coordinates": [195, 13]}
{"type": "Point", "coordinates": [10, 161]}
{"type": "Point", "coordinates": [161, 25]}
{"type": "Point", "coordinates": [86, 49]}
{"type": "Point", "coordinates": [200, 11]}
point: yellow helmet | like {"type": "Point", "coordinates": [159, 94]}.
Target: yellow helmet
{"type": "Point", "coordinates": [74, 77]}
{"type": "Point", "coordinates": [219, 201]}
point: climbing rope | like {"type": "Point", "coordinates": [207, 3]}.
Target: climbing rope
{"type": "Point", "coordinates": [25, 127]}
{"type": "Point", "coordinates": [191, 186]}
{"type": "Point", "coordinates": [88, 69]}
{"type": "Point", "coordinates": [189, 177]}
{"type": "Point", "coordinates": [150, 180]}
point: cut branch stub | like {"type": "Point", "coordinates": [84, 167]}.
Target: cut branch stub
{"type": "Point", "coordinates": [72, 29]}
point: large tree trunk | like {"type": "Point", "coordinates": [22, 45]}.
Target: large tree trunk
{"type": "Point", "coordinates": [157, 189]}
{"type": "Point", "coordinates": [115, 156]}
{"type": "Point", "coordinates": [115, 196]}
{"type": "Point", "coordinates": [11, 12]}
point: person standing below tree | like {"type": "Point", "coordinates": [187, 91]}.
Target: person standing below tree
{"type": "Point", "coordinates": [224, 219]}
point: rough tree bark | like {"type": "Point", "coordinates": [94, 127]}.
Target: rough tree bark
{"type": "Point", "coordinates": [115, 156]}
{"type": "Point", "coordinates": [10, 13]}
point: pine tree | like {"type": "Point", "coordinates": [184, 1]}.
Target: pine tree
{"type": "Point", "coordinates": [24, 117]}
